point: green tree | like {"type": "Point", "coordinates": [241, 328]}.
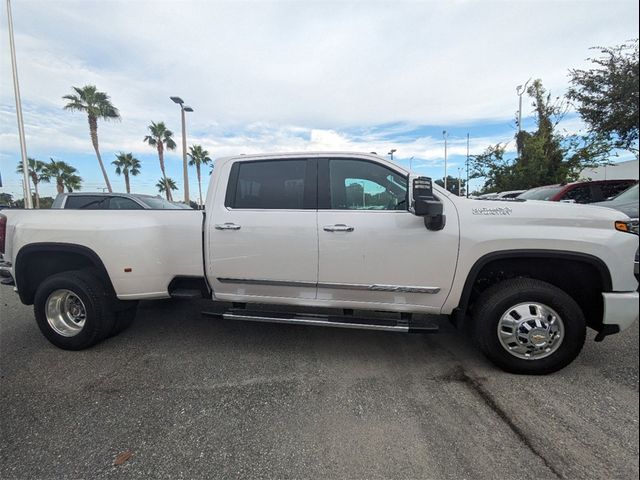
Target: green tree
{"type": "Point", "coordinates": [126, 164]}
{"type": "Point", "coordinates": [161, 138]}
{"type": "Point", "coordinates": [607, 95]}
{"type": "Point", "coordinates": [453, 184]}
{"type": "Point", "coordinates": [198, 156]}
{"type": "Point", "coordinates": [36, 174]}
{"type": "Point", "coordinates": [64, 176]}
{"type": "Point", "coordinates": [96, 105]}
{"type": "Point", "coordinates": [496, 170]}
{"type": "Point", "coordinates": [6, 199]}
{"type": "Point", "coordinates": [164, 183]}
{"type": "Point", "coordinates": [546, 156]}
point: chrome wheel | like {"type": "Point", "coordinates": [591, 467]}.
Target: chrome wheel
{"type": "Point", "coordinates": [530, 330]}
{"type": "Point", "coordinates": [65, 312]}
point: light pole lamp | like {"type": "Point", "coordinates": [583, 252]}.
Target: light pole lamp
{"type": "Point", "coordinates": [391, 152]}
{"type": "Point", "coordinates": [185, 171]}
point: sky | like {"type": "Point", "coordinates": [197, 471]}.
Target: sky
{"type": "Point", "coordinates": [290, 76]}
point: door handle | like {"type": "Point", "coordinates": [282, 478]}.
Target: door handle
{"type": "Point", "coordinates": [339, 227]}
{"type": "Point", "coordinates": [226, 226]}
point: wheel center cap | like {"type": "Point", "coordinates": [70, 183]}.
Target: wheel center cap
{"type": "Point", "coordinates": [538, 337]}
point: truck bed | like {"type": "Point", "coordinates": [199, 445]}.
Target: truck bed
{"type": "Point", "coordinates": [143, 250]}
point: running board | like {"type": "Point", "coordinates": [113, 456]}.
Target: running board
{"type": "Point", "coordinates": [318, 320]}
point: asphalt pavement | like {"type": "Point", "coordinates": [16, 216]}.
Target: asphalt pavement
{"type": "Point", "coordinates": [180, 395]}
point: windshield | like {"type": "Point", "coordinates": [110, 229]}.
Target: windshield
{"type": "Point", "coordinates": [157, 203]}
{"type": "Point", "coordinates": [628, 196]}
{"type": "Point", "coordinates": [541, 193]}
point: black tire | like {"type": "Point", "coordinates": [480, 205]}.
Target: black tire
{"type": "Point", "coordinates": [124, 317]}
{"type": "Point", "coordinates": [496, 300]}
{"type": "Point", "coordinates": [97, 300]}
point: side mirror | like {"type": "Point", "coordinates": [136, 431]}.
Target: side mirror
{"type": "Point", "coordinates": [426, 205]}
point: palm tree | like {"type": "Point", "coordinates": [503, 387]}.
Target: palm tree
{"type": "Point", "coordinates": [198, 157]}
{"type": "Point", "coordinates": [36, 175]}
{"type": "Point", "coordinates": [64, 175]}
{"type": "Point", "coordinates": [165, 182]}
{"type": "Point", "coordinates": [160, 138]}
{"type": "Point", "coordinates": [126, 164]}
{"type": "Point", "coordinates": [96, 105]}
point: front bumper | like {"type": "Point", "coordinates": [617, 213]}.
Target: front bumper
{"type": "Point", "coordinates": [620, 309]}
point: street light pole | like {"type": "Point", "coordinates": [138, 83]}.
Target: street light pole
{"type": "Point", "coordinates": [391, 152]}
{"type": "Point", "coordinates": [520, 89]}
{"type": "Point", "coordinates": [467, 187]}
{"type": "Point", "coordinates": [185, 172]}
{"type": "Point", "coordinates": [445, 135]}
{"type": "Point", "coordinates": [16, 91]}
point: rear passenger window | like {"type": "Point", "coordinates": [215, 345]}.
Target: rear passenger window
{"type": "Point", "coordinates": [87, 202]}
{"type": "Point", "coordinates": [277, 184]}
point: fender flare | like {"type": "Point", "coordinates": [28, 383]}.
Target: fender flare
{"type": "Point", "coordinates": [22, 275]}
{"type": "Point", "coordinates": [598, 264]}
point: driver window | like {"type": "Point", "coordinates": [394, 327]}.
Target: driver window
{"type": "Point", "coordinates": [362, 185]}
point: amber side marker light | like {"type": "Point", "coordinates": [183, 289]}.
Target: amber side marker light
{"type": "Point", "coordinates": [622, 227]}
{"type": "Point", "coordinates": [628, 226]}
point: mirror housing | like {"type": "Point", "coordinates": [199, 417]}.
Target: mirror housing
{"type": "Point", "coordinates": [426, 205]}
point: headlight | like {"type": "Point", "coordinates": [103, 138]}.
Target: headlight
{"type": "Point", "coordinates": [629, 226]}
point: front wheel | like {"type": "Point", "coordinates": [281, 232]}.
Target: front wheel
{"type": "Point", "coordinates": [74, 310]}
{"type": "Point", "coordinates": [528, 326]}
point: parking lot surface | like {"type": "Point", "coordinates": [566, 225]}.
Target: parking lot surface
{"type": "Point", "coordinates": [185, 396]}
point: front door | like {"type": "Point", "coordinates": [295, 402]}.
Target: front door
{"type": "Point", "coordinates": [372, 250]}
{"type": "Point", "coordinates": [263, 240]}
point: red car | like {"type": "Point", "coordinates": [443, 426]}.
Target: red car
{"type": "Point", "coordinates": [579, 192]}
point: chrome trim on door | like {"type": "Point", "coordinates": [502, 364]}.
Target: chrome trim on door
{"type": "Point", "coordinates": [345, 286]}
{"type": "Point", "coordinates": [273, 283]}
{"type": "Point", "coordinates": [380, 288]}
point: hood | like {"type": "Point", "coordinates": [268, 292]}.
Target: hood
{"type": "Point", "coordinates": [541, 212]}
{"type": "Point", "coordinates": [628, 208]}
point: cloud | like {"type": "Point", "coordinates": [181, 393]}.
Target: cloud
{"type": "Point", "coordinates": [266, 76]}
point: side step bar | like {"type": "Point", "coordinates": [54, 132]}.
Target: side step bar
{"type": "Point", "coordinates": [318, 320]}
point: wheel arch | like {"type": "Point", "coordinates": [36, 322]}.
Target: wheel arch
{"type": "Point", "coordinates": [37, 261]}
{"type": "Point", "coordinates": [546, 262]}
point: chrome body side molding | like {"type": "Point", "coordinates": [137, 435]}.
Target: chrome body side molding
{"type": "Point", "coordinates": [346, 286]}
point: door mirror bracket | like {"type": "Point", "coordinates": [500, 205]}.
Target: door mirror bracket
{"type": "Point", "coordinates": [426, 205]}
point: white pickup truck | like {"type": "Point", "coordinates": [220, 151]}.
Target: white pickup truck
{"type": "Point", "coordinates": [337, 232]}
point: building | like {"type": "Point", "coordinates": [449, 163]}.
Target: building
{"type": "Point", "coordinates": [621, 170]}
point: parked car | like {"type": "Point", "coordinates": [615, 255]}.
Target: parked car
{"type": "Point", "coordinates": [292, 231]}
{"type": "Point", "coordinates": [486, 196]}
{"type": "Point", "coordinates": [510, 194]}
{"type": "Point", "coordinates": [578, 192]}
{"type": "Point", "coordinates": [114, 201]}
{"type": "Point", "coordinates": [626, 202]}
{"type": "Point", "coordinates": [499, 195]}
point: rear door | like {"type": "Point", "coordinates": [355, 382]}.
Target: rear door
{"type": "Point", "coordinates": [263, 239]}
